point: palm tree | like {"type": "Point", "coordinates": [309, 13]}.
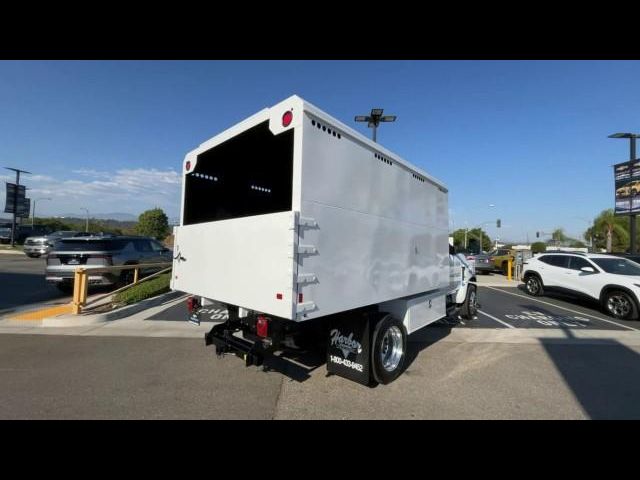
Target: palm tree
{"type": "Point", "coordinates": [609, 225]}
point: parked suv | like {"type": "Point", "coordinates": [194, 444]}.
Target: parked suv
{"type": "Point", "coordinates": [612, 281]}
{"type": "Point", "coordinates": [36, 246]}
{"type": "Point", "coordinates": [102, 251]}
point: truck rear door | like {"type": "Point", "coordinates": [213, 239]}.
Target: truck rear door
{"type": "Point", "coordinates": [237, 238]}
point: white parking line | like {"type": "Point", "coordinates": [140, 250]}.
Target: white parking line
{"type": "Point", "coordinates": [496, 319]}
{"type": "Point", "coordinates": [563, 308]}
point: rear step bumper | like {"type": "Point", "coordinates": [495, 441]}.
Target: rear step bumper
{"type": "Point", "coordinates": [222, 336]}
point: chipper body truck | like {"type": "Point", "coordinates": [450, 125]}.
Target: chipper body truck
{"type": "Point", "coordinates": [312, 234]}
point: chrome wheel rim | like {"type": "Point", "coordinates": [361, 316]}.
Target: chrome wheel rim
{"type": "Point", "coordinates": [472, 302]}
{"type": "Point", "coordinates": [392, 349]}
{"type": "Point", "coordinates": [619, 305]}
{"type": "Point", "coordinates": [532, 285]}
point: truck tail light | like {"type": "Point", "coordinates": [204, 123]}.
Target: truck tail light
{"type": "Point", "coordinates": [262, 326]}
{"type": "Point", "coordinates": [192, 304]}
{"type": "Point", "coordinates": [188, 165]}
{"type": "Point", "coordinates": [286, 119]}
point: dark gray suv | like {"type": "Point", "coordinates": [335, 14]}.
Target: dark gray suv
{"type": "Point", "coordinates": [102, 251]}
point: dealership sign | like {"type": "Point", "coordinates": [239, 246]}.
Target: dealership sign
{"type": "Point", "coordinates": [627, 178]}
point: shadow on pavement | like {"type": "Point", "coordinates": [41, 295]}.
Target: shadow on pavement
{"type": "Point", "coordinates": [602, 373]}
{"type": "Point", "coordinates": [584, 302]}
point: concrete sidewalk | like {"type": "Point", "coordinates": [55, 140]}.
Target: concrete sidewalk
{"type": "Point", "coordinates": [495, 280]}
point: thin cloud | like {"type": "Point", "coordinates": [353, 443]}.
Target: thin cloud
{"type": "Point", "coordinates": [125, 190]}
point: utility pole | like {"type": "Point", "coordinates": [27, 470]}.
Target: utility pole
{"type": "Point", "coordinates": [15, 203]}
{"type": "Point", "coordinates": [33, 216]}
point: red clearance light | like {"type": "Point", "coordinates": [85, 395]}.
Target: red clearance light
{"type": "Point", "coordinates": [262, 326]}
{"type": "Point", "coordinates": [188, 165]}
{"type": "Point", "coordinates": [278, 296]}
{"type": "Point", "coordinates": [300, 298]}
{"type": "Point", "coordinates": [286, 119]}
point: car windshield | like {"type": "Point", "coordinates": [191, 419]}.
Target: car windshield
{"type": "Point", "coordinates": [619, 266]}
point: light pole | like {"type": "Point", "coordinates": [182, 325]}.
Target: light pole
{"type": "Point", "coordinates": [590, 223]}
{"type": "Point", "coordinates": [374, 119]}
{"type": "Point", "coordinates": [86, 228]}
{"type": "Point", "coordinates": [632, 158]}
{"type": "Point", "coordinates": [491, 205]}
{"type": "Point", "coordinates": [33, 215]}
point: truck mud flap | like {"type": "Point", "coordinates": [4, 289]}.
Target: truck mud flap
{"type": "Point", "coordinates": [348, 348]}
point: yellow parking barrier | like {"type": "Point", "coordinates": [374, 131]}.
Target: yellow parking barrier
{"type": "Point", "coordinates": [509, 269]}
{"type": "Point", "coordinates": [80, 290]}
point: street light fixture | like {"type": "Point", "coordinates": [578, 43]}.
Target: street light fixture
{"type": "Point", "coordinates": [632, 158]}
{"type": "Point", "coordinates": [33, 215]}
{"type": "Point", "coordinates": [86, 228]}
{"type": "Point", "coordinates": [374, 119]}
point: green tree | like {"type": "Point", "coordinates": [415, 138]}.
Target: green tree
{"type": "Point", "coordinates": [609, 230]}
{"type": "Point", "coordinates": [559, 236]}
{"type": "Point", "coordinates": [473, 239]}
{"type": "Point", "coordinates": [538, 247]}
{"type": "Point", "coordinates": [153, 223]}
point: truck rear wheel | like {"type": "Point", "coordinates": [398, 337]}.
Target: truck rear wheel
{"type": "Point", "coordinates": [389, 349]}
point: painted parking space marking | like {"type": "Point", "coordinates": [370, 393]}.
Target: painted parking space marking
{"type": "Point", "coordinates": [496, 319]}
{"type": "Point", "coordinates": [581, 314]}
{"type": "Point", "coordinates": [547, 320]}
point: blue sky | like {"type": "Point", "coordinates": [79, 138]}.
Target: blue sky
{"type": "Point", "coordinates": [529, 137]}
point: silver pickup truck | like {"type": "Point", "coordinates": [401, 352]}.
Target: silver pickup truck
{"type": "Point", "coordinates": [41, 245]}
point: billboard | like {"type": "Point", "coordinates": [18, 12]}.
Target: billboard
{"type": "Point", "coordinates": [9, 206]}
{"type": "Point", "coordinates": [627, 180]}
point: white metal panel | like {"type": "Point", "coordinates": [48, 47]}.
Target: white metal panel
{"type": "Point", "coordinates": [363, 259]}
{"type": "Point", "coordinates": [244, 261]}
{"type": "Point", "coordinates": [418, 312]}
{"type": "Point", "coordinates": [381, 233]}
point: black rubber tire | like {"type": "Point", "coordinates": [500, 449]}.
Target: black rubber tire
{"type": "Point", "coordinates": [380, 373]}
{"type": "Point", "coordinates": [65, 287]}
{"type": "Point", "coordinates": [505, 268]}
{"type": "Point", "coordinates": [469, 308]}
{"type": "Point", "coordinates": [126, 278]}
{"type": "Point", "coordinates": [631, 314]}
{"type": "Point", "coordinates": [533, 285]}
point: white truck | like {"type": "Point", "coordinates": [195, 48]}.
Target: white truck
{"type": "Point", "coordinates": [307, 230]}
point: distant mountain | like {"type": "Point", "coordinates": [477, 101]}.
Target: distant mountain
{"type": "Point", "coordinates": [121, 217]}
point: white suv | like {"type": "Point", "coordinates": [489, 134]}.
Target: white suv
{"type": "Point", "coordinates": [612, 281]}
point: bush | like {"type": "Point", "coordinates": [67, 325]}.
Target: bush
{"type": "Point", "coordinates": [147, 289]}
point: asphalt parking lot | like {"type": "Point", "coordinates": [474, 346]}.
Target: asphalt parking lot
{"type": "Point", "coordinates": [523, 357]}
{"type": "Point", "coordinates": [23, 283]}
{"type": "Point", "coordinates": [500, 307]}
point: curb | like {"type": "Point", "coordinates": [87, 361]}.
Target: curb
{"type": "Point", "coordinates": [10, 252]}
{"type": "Point", "coordinates": [91, 319]}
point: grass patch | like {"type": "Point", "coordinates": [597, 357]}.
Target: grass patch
{"type": "Point", "coordinates": [148, 289]}
{"type": "Point", "coordinates": [7, 246]}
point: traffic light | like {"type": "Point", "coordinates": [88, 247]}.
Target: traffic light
{"type": "Point", "coordinates": [537, 234]}
{"type": "Point", "coordinates": [498, 223]}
